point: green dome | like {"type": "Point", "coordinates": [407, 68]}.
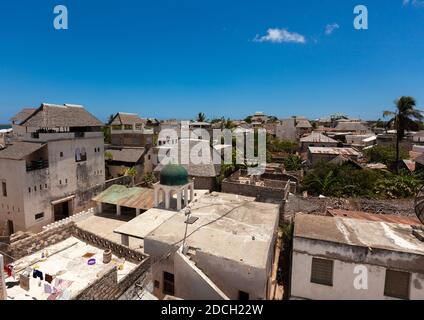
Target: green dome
{"type": "Point", "coordinates": [173, 175]}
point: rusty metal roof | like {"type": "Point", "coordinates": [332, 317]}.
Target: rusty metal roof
{"type": "Point", "coordinates": [137, 198]}
{"type": "Point", "coordinates": [334, 151]}
{"type": "Point", "coordinates": [358, 232]}
{"type": "Point", "coordinates": [374, 217]}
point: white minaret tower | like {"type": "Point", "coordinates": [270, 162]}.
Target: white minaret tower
{"type": "Point", "coordinates": [174, 180]}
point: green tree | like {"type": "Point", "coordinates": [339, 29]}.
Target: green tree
{"type": "Point", "coordinates": [108, 155]}
{"type": "Point", "coordinates": [248, 119]}
{"type": "Point", "coordinates": [228, 124]}
{"type": "Point", "coordinates": [201, 117]}
{"type": "Point", "coordinates": [148, 179]}
{"type": "Point", "coordinates": [106, 134]}
{"type": "Point", "coordinates": [321, 184]}
{"type": "Point", "coordinates": [131, 172]}
{"type": "Point", "coordinates": [385, 154]}
{"type": "Point", "coordinates": [110, 119]}
{"type": "Point", "coordinates": [403, 118]}
{"type": "Point", "coordinates": [292, 163]}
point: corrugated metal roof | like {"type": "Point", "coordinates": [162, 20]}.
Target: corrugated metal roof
{"type": "Point", "coordinates": [358, 232]}
{"type": "Point", "coordinates": [318, 137]}
{"type": "Point", "coordinates": [337, 151]}
{"type": "Point", "coordinates": [137, 198]}
{"type": "Point", "coordinates": [374, 217]}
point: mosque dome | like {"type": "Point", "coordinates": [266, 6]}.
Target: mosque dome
{"type": "Point", "coordinates": [173, 175]}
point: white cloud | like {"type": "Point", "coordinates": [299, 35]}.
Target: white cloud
{"type": "Point", "coordinates": [275, 35]}
{"type": "Point", "coordinates": [415, 3]}
{"type": "Point", "coordinates": [329, 29]}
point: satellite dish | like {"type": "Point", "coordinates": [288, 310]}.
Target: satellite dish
{"type": "Point", "coordinates": [419, 205]}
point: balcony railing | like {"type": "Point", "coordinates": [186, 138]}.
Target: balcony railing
{"type": "Point", "coordinates": [37, 165]}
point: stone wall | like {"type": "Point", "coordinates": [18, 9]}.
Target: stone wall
{"type": "Point", "coordinates": [117, 249]}
{"type": "Point", "coordinates": [108, 287]}
{"type": "Point", "coordinates": [313, 205]}
{"type": "Point", "coordinates": [204, 183]}
{"type": "Point", "coordinates": [251, 190]}
{"type": "Point", "coordinates": [39, 241]}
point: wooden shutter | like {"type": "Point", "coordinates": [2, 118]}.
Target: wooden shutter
{"type": "Point", "coordinates": [397, 284]}
{"type": "Point", "coordinates": [322, 271]}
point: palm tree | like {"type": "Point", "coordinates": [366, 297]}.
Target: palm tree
{"type": "Point", "coordinates": [323, 184]}
{"type": "Point", "coordinates": [404, 118]}
{"type": "Point", "coordinates": [201, 117]}
{"type": "Point", "coordinates": [110, 118]}
{"type": "Point", "coordinates": [131, 172]}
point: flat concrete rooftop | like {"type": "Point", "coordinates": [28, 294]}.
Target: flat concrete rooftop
{"type": "Point", "coordinates": [230, 226]}
{"type": "Point", "coordinates": [104, 225]}
{"type": "Point", "coordinates": [66, 261]}
{"type": "Point", "coordinates": [355, 232]}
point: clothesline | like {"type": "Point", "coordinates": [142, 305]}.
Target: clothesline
{"type": "Point", "coordinates": [40, 260]}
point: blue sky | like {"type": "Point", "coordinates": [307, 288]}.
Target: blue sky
{"type": "Point", "coordinates": [172, 59]}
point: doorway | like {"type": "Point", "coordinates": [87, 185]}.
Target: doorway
{"type": "Point", "coordinates": [62, 210]}
{"type": "Point", "coordinates": [10, 227]}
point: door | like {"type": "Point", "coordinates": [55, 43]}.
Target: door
{"type": "Point", "coordinates": [10, 227]}
{"type": "Point", "coordinates": [61, 210]}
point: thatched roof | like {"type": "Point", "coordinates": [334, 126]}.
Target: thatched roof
{"type": "Point", "coordinates": [53, 116]}
{"type": "Point", "coordinates": [122, 118]}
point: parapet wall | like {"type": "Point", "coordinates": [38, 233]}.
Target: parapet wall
{"type": "Point", "coordinates": [51, 236]}
{"type": "Point", "coordinates": [108, 287]}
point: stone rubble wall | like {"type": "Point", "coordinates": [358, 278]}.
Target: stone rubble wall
{"type": "Point", "coordinates": [108, 287]}
{"type": "Point", "coordinates": [314, 205]}
{"type": "Point", "coordinates": [51, 236]}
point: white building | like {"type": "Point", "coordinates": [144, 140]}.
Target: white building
{"type": "Point", "coordinates": [355, 259]}
{"type": "Point", "coordinates": [53, 169]}
{"type": "Point", "coordinates": [219, 247]}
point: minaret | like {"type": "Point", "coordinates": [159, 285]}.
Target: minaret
{"type": "Point", "coordinates": [174, 179]}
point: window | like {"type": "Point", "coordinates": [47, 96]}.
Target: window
{"type": "Point", "coordinates": [322, 272]}
{"type": "Point", "coordinates": [397, 284]}
{"type": "Point", "coordinates": [61, 154]}
{"type": "Point", "coordinates": [168, 283]}
{"type": "Point", "coordinates": [78, 155]}
{"type": "Point", "coordinates": [128, 127]}
{"type": "Point", "coordinates": [39, 216]}
{"type": "Point", "coordinates": [4, 188]}
{"type": "Point", "coordinates": [29, 190]}
{"type": "Point", "coordinates": [66, 181]}
{"type": "Point", "coordinates": [243, 295]}
{"type": "Point", "coordinates": [83, 154]}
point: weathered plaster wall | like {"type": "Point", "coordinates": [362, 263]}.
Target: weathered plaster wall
{"type": "Point", "coordinates": [192, 283]}
{"type": "Point", "coordinates": [346, 258]}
